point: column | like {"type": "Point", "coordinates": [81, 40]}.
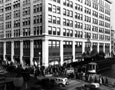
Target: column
{"type": "Point", "coordinates": [45, 52]}
{"type": "Point", "coordinates": [98, 47]}
{"type": "Point", "coordinates": [12, 51]}
{"type": "Point", "coordinates": [21, 52]}
{"type": "Point", "coordinates": [104, 47]}
{"type": "Point", "coordinates": [110, 49]}
{"type": "Point", "coordinates": [31, 52]}
{"type": "Point", "coordinates": [61, 52]}
{"type": "Point", "coordinates": [73, 50]}
{"type": "Point", "coordinates": [4, 51]}
{"type": "Point", "coordinates": [83, 47]}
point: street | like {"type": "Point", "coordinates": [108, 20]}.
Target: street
{"type": "Point", "coordinates": [77, 83]}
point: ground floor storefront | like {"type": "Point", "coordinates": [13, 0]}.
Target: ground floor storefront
{"type": "Point", "coordinates": [44, 52]}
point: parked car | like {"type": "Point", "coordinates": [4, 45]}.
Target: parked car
{"type": "Point", "coordinates": [62, 82]}
{"type": "Point", "coordinates": [92, 86]}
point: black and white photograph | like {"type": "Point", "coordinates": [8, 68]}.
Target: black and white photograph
{"type": "Point", "coordinates": [57, 44]}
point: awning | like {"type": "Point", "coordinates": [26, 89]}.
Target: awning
{"type": "Point", "coordinates": [67, 57]}
{"type": "Point", "coordinates": [52, 59]}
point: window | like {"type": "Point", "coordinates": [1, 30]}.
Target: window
{"type": "Point", "coordinates": [64, 11]}
{"type": "Point", "coordinates": [54, 30]}
{"type": "Point", "coordinates": [64, 32]}
{"type": "Point", "coordinates": [71, 4]}
{"type": "Point", "coordinates": [64, 22]}
{"type": "Point", "coordinates": [54, 19]}
{"type": "Point", "coordinates": [58, 20]}
{"type": "Point", "coordinates": [58, 31]}
{"type": "Point", "coordinates": [54, 9]}
{"type": "Point", "coordinates": [71, 13]}
{"type": "Point", "coordinates": [50, 18]}
{"type": "Point", "coordinates": [58, 10]}
{"type": "Point", "coordinates": [50, 7]}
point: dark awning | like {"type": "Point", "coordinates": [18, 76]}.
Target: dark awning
{"type": "Point", "coordinates": [57, 58]}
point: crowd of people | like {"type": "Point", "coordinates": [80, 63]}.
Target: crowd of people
{"type": "Point", "coordinates": [55, 70]}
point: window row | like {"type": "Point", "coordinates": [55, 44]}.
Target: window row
{"type": "Point", "coordinates": [78, 16]}
{"type": "Point", "coordinates": [78, 7]}
{"type": "Point", "coordinates": [101, 30]}
{"type": "Point", "coordinates": [67, 32]}
{"type": "Point", "coordinates": [101, 16]}
{"type": "Point", "coordinates": [26, 31]}
{"type": "Point", "coordinates": [101, 23]}
{"type": "Point", "coordinates": [87, 35]}
{"type": "Point", "coordinates": [35, 1]}
{"type": "Point", "coordinates": [95, 21]}
{"type": "Point", "coordinates": [107, 12]}
{"type": "Point", "coordinates": [107, 31]}
{"type": "Point", "coordinates": [101, 8]}
{"type": "Point", "coordinates": [107, 18]}
{"type": "Point", "coordinates": [26, 44]}
{"type": "Point", "coordinates": [78, 25]}
{"type": "Point", "coordinates": [95, 28]}
{"type": "Point", "coordinates": [53, 44]}
{"type": "Point", "coordinates": [107, 25]}
{"type": "Point", "coordinates": [37, 8]}
{"type": "Point", "coordinates": [78, 34]}
{"type": "Point", "coordinates": [67, 43]}
{"type": "Point", "coordinates": [16, 5]}
{"type": "Point", "coordinates": [107, 38]}
{"type": "Point", "coordinates": [16, 44]}
{"type": "Point", "coordinates": [101, 37]}
{"type": "Point", "coordinates": [54, 19]}
{"type": "Point", "coordinates": [7, 8]}
{"type": "Point", "coordinates": [54, 8]}
{"type": "Point", "coordinates": [54, 30]}
{"type": "Point", "coordinates": [26, 11]}
{"type": "Point", "coordinates": [58, 1]}
{"type": "Point", "coordinates": [67, 12]}
{"type": "Point", "coordinates": [95, 13]}
{"type": "Point", "coordinates": [37, 44]}
{"type": "Point", "coordinates": [37, 30]}
{"type": "Point", "coordinates": [1, 17]}
{"type": "Point", "coordinates": [81, 1]}
{"type": "Point", "coordinates": [87, 10]}
{"type": "Point", "coordinates": [8, 34]}
{"type": "Point", "coordinates": [1, 26]}
{"type": "Point", "coordinates": [17, 33]}
{"type": "Point", "coordinates": [87, 19]}
{"type": "Point", "coordinates": [95, 36]}
{"type": "Point", "coordinates": [16, 23]}
{"type": "Point", "coordinates": [1, 10]}
{"type": "Point", "coordinates": [26, 2]}
{"type": "Point", "coordinates": [88, 3]}
{"type": "Point", "coordinates": [68, 3]}
{"type": "Point", "coordinates": [67, 22]}
{"type": "Point", "coordinates": [16, 13]}
{"type": "Point", "coordinates": [87, 27]}
{"type": "Point", "coordinates": [8, 24]}
{"type": "Point", "coordinates": [95, 6]}
{"type": "Point", "coordinates": [26, 21]}
{"type": "Point", "coordinates": [37, 19]}
{"type": "Point", "coordinates": [8, 16]}
{"type": "Point", "coordinates": [78, 44]}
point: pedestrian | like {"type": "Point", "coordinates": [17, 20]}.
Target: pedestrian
{"type": "Point", "coordinates": [100, 80]}
{"type": "Point", "coordinates": [18, 82]}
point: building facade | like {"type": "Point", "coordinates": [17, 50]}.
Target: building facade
{"type": "Point", "coordinates": [53, 31]}
{"type": "Point", "coordinates": [113, 41]}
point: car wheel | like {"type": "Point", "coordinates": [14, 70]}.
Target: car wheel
{"type": "Point", "coordinates": [61, 85]}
